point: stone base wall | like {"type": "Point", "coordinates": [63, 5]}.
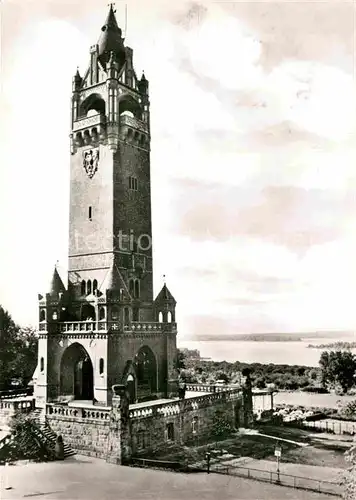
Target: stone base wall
{"type": "Point", "coordinates": [85, 431]}
{"type": "Point", "coordinates": [120, 432]}
{"type": "Point", "coordinates": [184, 422]}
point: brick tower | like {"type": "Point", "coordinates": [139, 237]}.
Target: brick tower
{"type": "Point", "coordinates": [105, 327]}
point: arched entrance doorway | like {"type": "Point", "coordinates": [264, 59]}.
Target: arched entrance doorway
{"type": "Point", "coordinates": [77, 380]}
{"type": "Point", "coordinates": [130, 384]}
{"type": "Point", "coordinates": [146, 371]}
{"type": "Point", "coordinates": [129, 380]}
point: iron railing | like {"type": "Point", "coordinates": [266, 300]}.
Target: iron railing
{"type": "Point", "coordinates": [289, 480]}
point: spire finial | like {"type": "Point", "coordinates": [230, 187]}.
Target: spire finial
{"type": "Point", "coordinates": [164, 279]}
{"type": "Point", "coordinates": [112, 5]}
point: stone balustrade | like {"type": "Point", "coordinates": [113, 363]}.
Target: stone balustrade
{"type": "Point", "coordinates": [152, 409]}
{"type": "Point", "coordinates": [71, 412]}
{"type": "Point", "coordinates": [18, 405]}
{"type": "Point", "coordinates": [132, 122]}
{"type": "Point", "coordinates": [78, 326]}
{"type": "Point", "coordinates": [90, 121]}
{"type": "Point", "coordinates": [210, 388]}
{"type": "Point", "coordinates": [106, 326]}
{"type": "Point", "coordinates": [143, 326]}
{"type": "Point", "coordinates": [10, 407]}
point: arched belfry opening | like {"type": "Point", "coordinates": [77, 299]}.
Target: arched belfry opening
{"type": "Point", "coordinates": [76, 375]}
{"type": "Point", "coordinates": [128, 106]}
{"type": "Point", "coordinates": [93, 104]}
{"type": "Point", "coordinates": [87, 312]}
{"type": "Point", "coordinates": [146, 372]}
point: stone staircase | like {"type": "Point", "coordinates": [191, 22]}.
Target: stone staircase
{"type": "Point", "coordinates": [40, 419]}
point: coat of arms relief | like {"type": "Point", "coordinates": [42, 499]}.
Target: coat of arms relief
{"type": "Point", "coordinates": [91, 160]}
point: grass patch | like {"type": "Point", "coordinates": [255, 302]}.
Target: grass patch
{"type": "Point", "coordinates": [320, 451]}
{"type": "Point", "coordinates": [253, 446]}
{"type": "Point", "coordinates": [292, 433]}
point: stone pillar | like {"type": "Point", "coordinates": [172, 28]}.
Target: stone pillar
{"type": "Point", "coordinates": [182, 408]}
{"type": "Point", "coordinates": [119, 440]}
{"type": "Point", "coordinates": [171, 353]}
{"type": "Point", "coordinates": [247, 402]}
{"type": "Point", "coordinates": [173, 388]}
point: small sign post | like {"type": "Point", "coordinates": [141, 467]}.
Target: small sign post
{"type": "Point", "coordinates": [207, 456]}
{"type": "Point", "coordinates": [278, 454]}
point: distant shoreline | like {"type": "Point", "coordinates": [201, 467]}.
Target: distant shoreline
{"type": "Point", "coordinates": [334, 345]}
{"type": "Point", "coordinates": [274, 337]}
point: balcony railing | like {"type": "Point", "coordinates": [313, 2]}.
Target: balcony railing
{"type": "Point", "coordinates": [107, 326]}
{"type": "Point", "coordinates": [133, 123]}
{"type": "Point", "coordinates": [89, 121]}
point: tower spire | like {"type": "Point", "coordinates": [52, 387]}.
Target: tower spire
{"type": "Point", "coordinates": [111, 38]}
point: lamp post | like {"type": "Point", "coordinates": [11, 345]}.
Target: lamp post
{"type": "Point", "coordinates": [278, 454]}
{"type": "Point", "coordinates": [207, 456]}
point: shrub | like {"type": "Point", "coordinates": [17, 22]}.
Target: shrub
{"type": "Point", "coordinates": [316, 390]}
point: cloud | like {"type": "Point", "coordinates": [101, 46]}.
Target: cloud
{"type": "Point", "coordinates": [290, 216]}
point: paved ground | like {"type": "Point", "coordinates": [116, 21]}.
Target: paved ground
{"type": "Point", "coordinates": [82, 478]}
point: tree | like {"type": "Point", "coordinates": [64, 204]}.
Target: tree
{"type": "Point", "coordinates": [325, 363]}
{"type": "Point", "coordinates": [349, 479]}
{"type": "Point", "coordinates": [222, 376]}
{"type": "Point", "coordinates": [180, 360]}
{"type": "Point", "coordinates": [338, 367]}
{"type": "Point", "coordinates": [18, 351]}
{"type": "Point", "coordinates": [348, 411]}
{"type": "Point", "coordinates": [221, 425]}
{"type": "Point", "coordinates": [260, 383]}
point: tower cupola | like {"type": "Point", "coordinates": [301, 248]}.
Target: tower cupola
{"type": "Point", "coordinates": [111, 40]}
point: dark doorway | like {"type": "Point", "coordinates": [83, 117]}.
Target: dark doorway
{"type": "Point", "coordinates": [83, 380]}
{"type": "Point", "coordinates": [146, 370]}
{"type": "Point", "coordinates": [130, 384]}
{"type": "Point", "coordinates": [77, 375]}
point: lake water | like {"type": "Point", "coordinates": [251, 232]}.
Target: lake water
{"type": "Point", "coordinates": [288, 353]}
{"type": "Point", "coordinates": [299, 398]}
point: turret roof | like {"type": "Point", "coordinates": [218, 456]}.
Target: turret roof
{"type": "Point", "coordinates": [56, 285]}
{"type": "Point", "coordinates": [165, 295]}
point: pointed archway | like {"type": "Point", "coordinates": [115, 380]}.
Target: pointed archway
{"type": "Point", "coordinates": [146, 371]}
{"type": "Point", "coordinates": [129, 380]}
{"type": "Point", "coordinates": [77, 375]}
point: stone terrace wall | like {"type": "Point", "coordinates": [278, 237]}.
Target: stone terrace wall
{"type": "Point", "coordinates": [85, 430]}
{"type": "Point", "coordinates": [187, 419]}
{"type": "Point", "coordinates": [8, 408]}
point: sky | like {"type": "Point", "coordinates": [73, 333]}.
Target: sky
{"type": "Point", "coordinates": [253, 125]}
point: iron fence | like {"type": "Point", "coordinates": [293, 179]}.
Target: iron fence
{"type": "Point", "coordinates": [289, 480]}
{"type": "Point", "coordinates": [337, 427]}
{"type": "Point", "coordinates": [16, 393]}
{"type": "Point", "coordinates": [157, 464]}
